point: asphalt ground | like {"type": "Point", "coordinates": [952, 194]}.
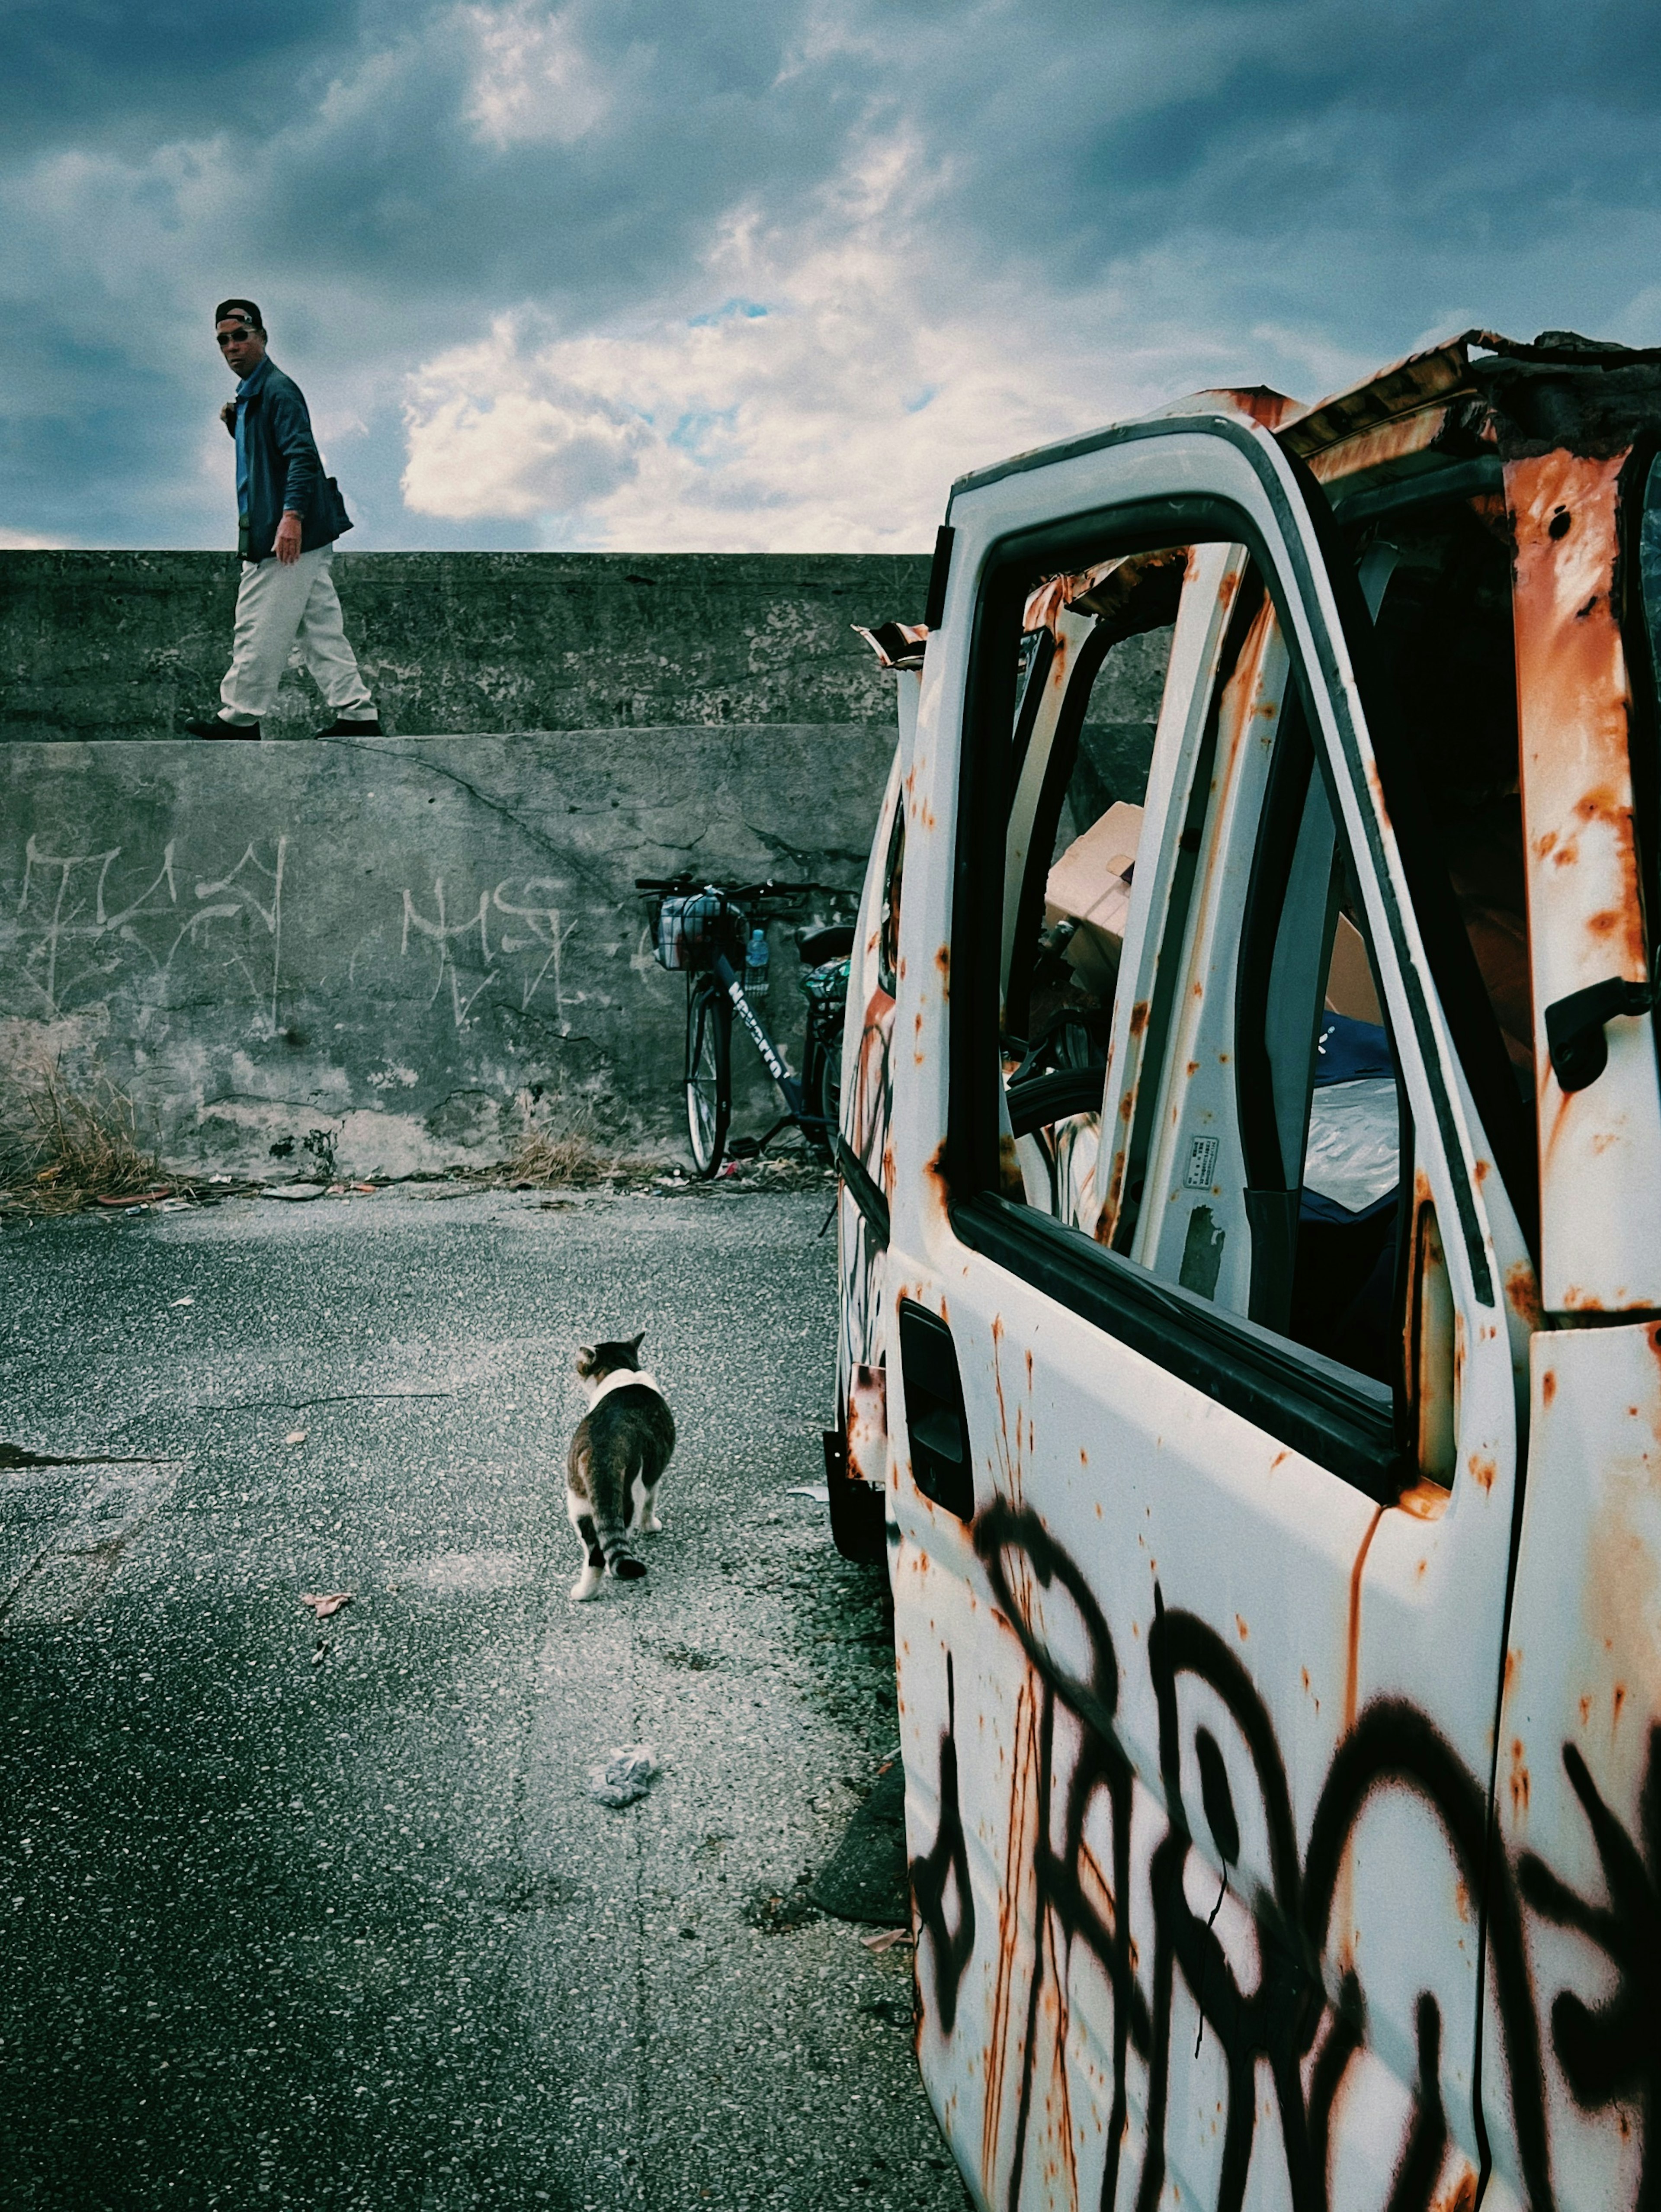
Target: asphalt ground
{"type": "Point", "coordinates": [309, 1913]}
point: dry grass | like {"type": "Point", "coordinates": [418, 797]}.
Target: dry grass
{"type": "Point", "coordinates": [61, 1148]}
{"type": "Point", "coordinates": [559, 1148]}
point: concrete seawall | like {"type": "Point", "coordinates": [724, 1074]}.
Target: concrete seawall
{"type": "Point", "coordinates": [396, 944]}
{"type": "Point", "coordinates": [128, 645]}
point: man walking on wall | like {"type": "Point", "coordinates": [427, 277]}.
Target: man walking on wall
{"type": "Point", "coordinates": [289, 516]}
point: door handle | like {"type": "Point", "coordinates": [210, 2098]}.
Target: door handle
{"type": "Point", "coordinates": [1574, 1028]}
{"type": "Point", "coordinates": [937, 1428]}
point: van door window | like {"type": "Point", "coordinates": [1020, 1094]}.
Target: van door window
{"type": "Point", "coordinates": [1093, 654]}
{"type": "Point", "coordinates": [1444, 630]}
{"type": "Point", "coordinates": [1268, 1179]}
{"type": "Point", "coordinates": [1260, 1180]}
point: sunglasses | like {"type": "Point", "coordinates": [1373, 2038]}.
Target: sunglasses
{"type": "Point", "coordinates": [235, 337]}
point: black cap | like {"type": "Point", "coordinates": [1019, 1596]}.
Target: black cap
{"type": "Point", "coordinates": [246, 308]}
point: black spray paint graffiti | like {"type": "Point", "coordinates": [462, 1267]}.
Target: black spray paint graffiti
{"type": "Point", "coordinates": [1287, 2016]}
{"type": "Point", "coordinates": [1612, 2055]}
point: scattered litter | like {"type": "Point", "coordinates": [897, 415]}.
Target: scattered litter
{"type": "Point", "coordinates": [372, 1187]}
{"type": "Point", "coordinates": [187, 1301]}
{"type": "Point", "coordinates": [219, 1178]}
{"type": "Point", "coordinates": [135, 1199]}
{"type": "Point", "coordinates": [296, 1437]}
{"type": "Point", "coordinates": [173, 1206]}
{"type": "Point", "coordinates": [777, 1912]}
{"type": "Point", "coordinates": [320, 1654]}
{"type": "Point", "coordinates": [557, 1206]}
{"type": "Point", "coordinates": [323, 1606]}
{"type": "Point", "coordinates": [887, 1939]}
{"type": "Point", "coordinates": [294, 1190]}
{"type": "Point", "coordinates": [626, 1774]}
{"type": "Point", "coordinates": [818, 1492]}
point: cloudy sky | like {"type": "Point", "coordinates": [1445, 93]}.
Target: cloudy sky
{"type": "Point", "coordinates": [666, 274]}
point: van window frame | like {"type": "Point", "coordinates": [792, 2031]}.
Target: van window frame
{"type": "Point", "coordinates": [1343, 1421]}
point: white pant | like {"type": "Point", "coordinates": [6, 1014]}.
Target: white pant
{"type": "Point", "coordinates": [284, 615]}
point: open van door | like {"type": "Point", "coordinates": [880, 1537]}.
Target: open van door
{"type": "Point", "coordinates": [856, 1449]}
{"type": "Point", "coordinates": [1208, 1297]}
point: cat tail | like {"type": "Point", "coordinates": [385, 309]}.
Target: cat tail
{"type": "Point", "coordinates": [610, 1473]}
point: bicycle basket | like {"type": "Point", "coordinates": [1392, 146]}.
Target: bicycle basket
{"type": "Point", "coordinates": [690, 927]}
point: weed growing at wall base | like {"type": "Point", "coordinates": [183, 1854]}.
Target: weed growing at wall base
{"type": "Point", "coordinates": [61, 1147]}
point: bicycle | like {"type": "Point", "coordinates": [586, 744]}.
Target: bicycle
{"type": "Point", "coordinates": [702, 930]}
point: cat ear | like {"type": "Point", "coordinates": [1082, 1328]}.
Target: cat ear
{"type": "Point", "coordinates": [636, 1342]}
{"type": "Point", "coordinates": [585, 1356]}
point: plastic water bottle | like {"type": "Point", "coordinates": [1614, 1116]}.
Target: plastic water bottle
{"type": "Point", "coordinates": [756, 957]}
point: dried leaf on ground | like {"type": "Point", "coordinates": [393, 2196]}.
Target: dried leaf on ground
{"type": "Point", "coordinates": [296, 1437]}
{"type": "Point", "coordinates": [323, 1607]}
{"type": "Point", "coordinates": [887, 1939]}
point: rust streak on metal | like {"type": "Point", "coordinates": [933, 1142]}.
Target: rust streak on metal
{"type": "Point", "coordinates": [1523, 1293]}
{"type": "Point", "coordinates": [1353, 1646]}
{"type": "Point", "coordinates": [1023, 1793]}
{"type": "Point", "coordinates": [1063, 2120]}
{"type": "Point", "coordinates": [1392, 441]}
{"type": "Point", "coordinates": [1461, 2198]}
{"type": "Point", "coordinates": [1576, 770]}
{"type": "Point", "coordinates": [1518, 1781]}
{"type": "Point", "coordinates": [1424, 1500]}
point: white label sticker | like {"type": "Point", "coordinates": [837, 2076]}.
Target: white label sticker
{"type": "Point", "coordinates": [1201, 1163]}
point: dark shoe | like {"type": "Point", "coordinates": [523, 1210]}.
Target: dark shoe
{"type": "Point", "coordinates": [219, 727]}
{"type": "Point", "coordinates": [344, 729]}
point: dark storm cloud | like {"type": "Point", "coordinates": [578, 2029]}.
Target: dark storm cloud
{"type": "Point", "coordinates": [386, 181]}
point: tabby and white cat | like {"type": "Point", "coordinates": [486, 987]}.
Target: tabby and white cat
{"type": "Point", "coordinates": [616, 1462]}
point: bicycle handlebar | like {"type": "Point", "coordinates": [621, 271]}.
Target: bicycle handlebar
{"type": "Point", "coordinates": [739, 894]}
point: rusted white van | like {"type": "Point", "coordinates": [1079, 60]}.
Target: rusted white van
{"type": "Point", "coordinates": [1251, 1248]}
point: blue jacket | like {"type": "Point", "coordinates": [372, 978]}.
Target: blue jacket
{"type": "Point", "coordinates": [278, 457]}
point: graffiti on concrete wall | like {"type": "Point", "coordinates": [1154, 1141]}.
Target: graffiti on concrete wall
{"type": "Point", "coordinates": [86, 926]}
{"type": "Point", "coordinates": [529, 933]}
{"type": "Point", "coordinates": [1284, 2023]}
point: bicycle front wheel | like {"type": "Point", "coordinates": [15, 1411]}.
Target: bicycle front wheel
{"type": "Point", "coordinates": [709, 1073]}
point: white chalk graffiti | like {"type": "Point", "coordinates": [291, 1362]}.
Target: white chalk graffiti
{"type": "Point", "coordinates": [539, 931]}
{"type": "Point", "coordinates": [76, 933]}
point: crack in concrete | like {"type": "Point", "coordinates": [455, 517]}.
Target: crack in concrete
{"type": "Point", "coordinates": [282, 1405]}
{"type": "Point", "coordinates": [14, 1455]}
{"type": "Point", "coordinates": [562, 853]}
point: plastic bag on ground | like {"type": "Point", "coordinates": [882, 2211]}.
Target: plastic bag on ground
{"type": "Point", "coordinates": [626, 1774]}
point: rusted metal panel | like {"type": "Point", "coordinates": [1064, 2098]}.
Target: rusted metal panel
{"type": "Point", "coordinates": [1600, 1147]}
{"type": "Point", "coordinates": [1579, 1767]}
{"type": "Point", "coordinates": [1196, 1097]}
{"type": "Point", "coordinates": [1200, 1742]}
{"type": "Point", "coordinates": [1404, 389]}
{"type": "Point", "coordinates": [1401, 437]}
{"type": "Point", "coordinates": [1213, 574]}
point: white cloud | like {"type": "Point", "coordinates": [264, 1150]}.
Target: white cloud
{"type": "Point", "coordinates": [493, 433]}
{"type": "Point", "coordinates": [823, 400]}
{"type": "Point", "coordinates": [533, 84]}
